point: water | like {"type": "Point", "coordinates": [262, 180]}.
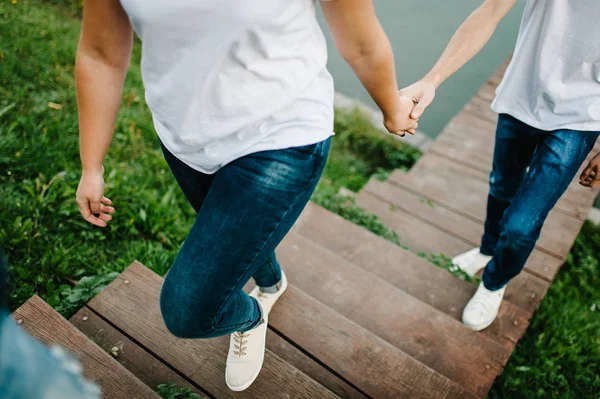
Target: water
{"type": "Point", "coordinates": [419, 31]}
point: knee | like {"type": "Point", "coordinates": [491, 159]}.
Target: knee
{"type": "Point", "coordinates": [521, 231]}
{"type": "Point", "coordinates": [502, 188]}
{"type": "Point", "coordinates": [181, 316]}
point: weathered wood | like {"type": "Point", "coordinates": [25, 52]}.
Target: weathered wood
{"type": "Point", "coordinates": [310, 367]}
{"type": "Point", "coordinates": [377, 368]}
{"type": "Point", "coordinates": [433, 239]}
{"type": "Point", "coordinates": [458, 188]}
{"type": "Point", "coordinates": [134, 358]}
{"type": "Point", "coordinates": [454, 227]}
{"type": "Point", "coordinates": [575, 201]}
{"type": "Point", "coordinates": [43, 323]}
{"type": "Point", "coordinates": [131, 303]}
{"type": "Point", "coordinates": [380, 369]}
{"type": "Point", "coordinates": [405, 270]}
{"type": "Point", "coordinates": [419, 330]}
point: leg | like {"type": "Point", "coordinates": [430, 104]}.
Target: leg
{"type": "Point", "coordinates": [195, 186]}
{"type": "Point", "coordinates": [554, 165]}
{"type": "Point", "coordinates": [250, 206]}
{"type": "Point", "coordinates": [513, 152]}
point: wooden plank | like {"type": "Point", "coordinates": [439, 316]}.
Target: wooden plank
{"type": "Point", "coordinates": [134, 358]}
{"type": "Point", "coordinates": [528, 299]}
{"type": "Point", "coordinates": [481, 107]}
{"type": "Point", "coordinates": [404, 270]}
{"type": "Point", "coordinates": [377, 368]}
{"type": "Point", "coordinates": [452, 224]}
{"type": "Point", "coordinates": [131, 304]}
{"type": "Point", "coordinates": [294, 356]}
{"type": "Point", "coordinates": [419, 330]}
{"type": "Point", "coordinates": [46, 325]}
{"type": "Point", "coordinates": [152, 372]}
{"type": "Point", "coordinates": [457, 188]}
{"type": "Point", "coordinates": [380, 369]}
{"type": "Point", "coordinates": [575, 201]}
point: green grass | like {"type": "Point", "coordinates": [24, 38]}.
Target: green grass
{"type": "Point", "coordinates": [559, 357]}
{"type": "Point", "coordinates": [50, 247]}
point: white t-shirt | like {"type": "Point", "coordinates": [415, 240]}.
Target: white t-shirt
{"type": "Point", "coordinates": [226, 78]}
{"type": "Point", "coordinates": [553, 80]}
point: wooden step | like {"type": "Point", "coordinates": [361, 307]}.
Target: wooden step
{"type": "Point", "coordinates": [134, 358]}
{"type": "Point", "coordinates": [150, 370]}
{"type": "Point", "coordinates": [575, 201]}
{"type": "Point", "coordinates": [131, 305]}
{"type": "Point", "coordinates": [419, 330]}
{"type": "Point", "coordinates": [367, 362]}
{"type": "Point", "coordinates": [404, 270]}
{"type": "Point", "coordinates": [456, 188]}
{"type": "Point", "coordinates": [459, 233]}
{"type": "Point", "coordinates": [525, 291]}
{"type": "Point", "coordinates": [46, 325]}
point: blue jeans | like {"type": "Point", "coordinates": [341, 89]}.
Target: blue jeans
{"type": "Point", "coordinates": [243, 212]}
{"type": "Point", "coordinates": [29, 369]}
{"type": "Point", "coordinates": [520, 198]}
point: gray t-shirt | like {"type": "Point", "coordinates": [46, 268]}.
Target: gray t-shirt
{"type": "Point", "coordinates": [553, 80]}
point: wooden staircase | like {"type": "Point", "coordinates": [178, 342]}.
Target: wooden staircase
{"type": "Point", "coordinates": [363, 317]}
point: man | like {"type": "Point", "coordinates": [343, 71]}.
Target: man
{"type": "Point", "coordinates": [549, 106]}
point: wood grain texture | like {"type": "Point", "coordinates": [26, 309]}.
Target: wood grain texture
{"type": "Point", "coordinates": [456, 187]}
{"type": "Point", "coordinates": [133, 307]}
{"type": "Point", "coordinates": [374, 365]}
{"type": "Point", "coordinates": [437, 241]}
{"type": "Point", "coordinates": [419, 330]}
{"type": "Point", "coordinates": [404, 270]}
{"type": "Point", "coordinates": [116, 382]}
{"type": "Point", "coordinates": [134, 358]}
{"type": "Point", "coordinates": [455, 228]}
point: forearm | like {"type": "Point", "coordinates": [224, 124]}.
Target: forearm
{"type": "Point", "coordinates": [376, 71]}
{"type": "Point", "coordinates": [99, 89]}
{"type": "Point", "coordinates": [469, 39]}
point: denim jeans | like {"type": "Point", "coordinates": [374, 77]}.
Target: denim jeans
{"type": "Point", "coordinates": [29, 369]}
{"type": "Point", "coordinates": [532, 169]}
{"type": "Point", "coordinates": [243, 212]}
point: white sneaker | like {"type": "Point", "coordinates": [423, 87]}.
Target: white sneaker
{"type": "Point", "coordinates": [247, 349]}
{"type": "Point", "coordinates": [483, 307]}
{"type": "Point", "coordinates": [268, 300]}
{"type": "Point", "coordinates": [471, 261]}
{"type": "Point", "coordinates": [246, 356]}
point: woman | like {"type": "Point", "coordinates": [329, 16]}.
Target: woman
{"type": "Point", "coordinates": [243, 105]}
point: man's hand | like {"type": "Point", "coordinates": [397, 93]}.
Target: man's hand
{"type": "Point", "coordinates": [400, 123]}
{"type": "Point", "coordinates": [590, 177]}
{"type": "Point", "coordinates": [422, 94]}
{"type": "Point", "coordinates": [93, 205]}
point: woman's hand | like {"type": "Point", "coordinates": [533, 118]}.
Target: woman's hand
{"type": "Point", "coordinates": [400, 122]}
{"type": "Point", "coordinates": [93, 205]}
{"type": "Point", "coordinates": [422, 94]}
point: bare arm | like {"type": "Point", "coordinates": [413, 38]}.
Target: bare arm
{"type": "Point", "coordinates": [361, 41]}
{"type": "Point", "coordinates": [468, 40]}
{"type": "Point", "coordinates": [102, 60]}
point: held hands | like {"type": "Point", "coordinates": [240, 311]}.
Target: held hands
{"type": "Point", "coordinates": [93, 205]}
{"type": "Point", "coordinates": [412, 103]}
{"type": "Point", "coordinates": [590, 177]}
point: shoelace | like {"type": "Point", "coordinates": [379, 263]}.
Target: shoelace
{"type": "Point", "coordinates": [240, 339]}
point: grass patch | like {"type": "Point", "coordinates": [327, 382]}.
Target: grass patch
{"type": "Point", "coordinates": [559, 357]}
